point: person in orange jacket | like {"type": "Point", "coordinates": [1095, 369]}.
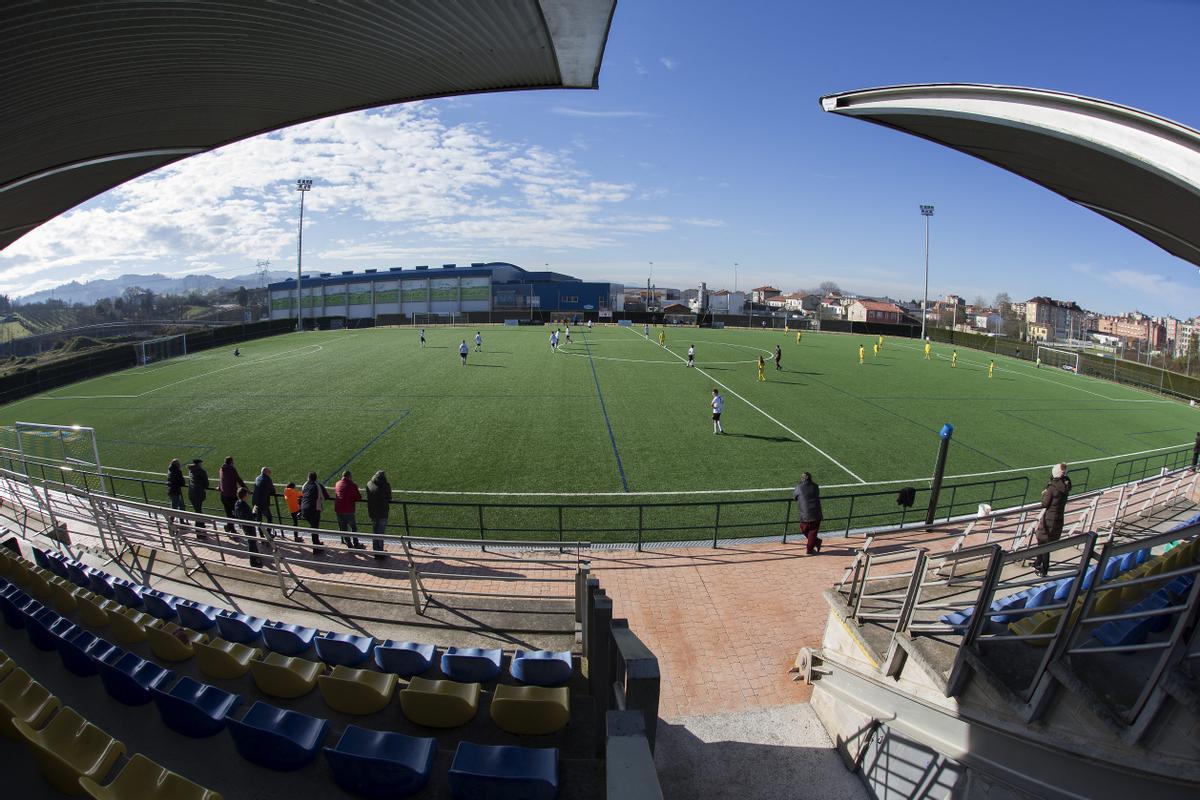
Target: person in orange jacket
{"type": "Point", "coordinates": [291, 496]}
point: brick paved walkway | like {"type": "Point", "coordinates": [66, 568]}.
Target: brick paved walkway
{"type": "Point", "coordinates": [725, 624]}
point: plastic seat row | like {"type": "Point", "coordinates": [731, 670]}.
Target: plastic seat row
{"type": "Point", "coordinates": [130, 679]}
{"type": "Point", "coordinates": [74, 755]}
{"type": "Point", "coordinates": [467, 664]}
{"type": "Point", "coordinates": [1122, 632]}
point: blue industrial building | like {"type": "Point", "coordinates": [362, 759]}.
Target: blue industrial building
{"type": "Point", "coordinates": [496, 287]}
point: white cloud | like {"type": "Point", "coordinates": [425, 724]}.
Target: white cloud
{"type": "Point", "coordinates": [668, 62]}
{"type": "Point", "coordinates": [705, 223]}
{"type": "Point", "coordinates": [638, 68]}
{"type": "Point", "coordinates": [401, 183]}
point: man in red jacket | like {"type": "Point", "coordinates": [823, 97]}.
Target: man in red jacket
{"type": "Point", "coordinates": [345, 495]}
{"type": "Point", "coordinates": [228, 483]}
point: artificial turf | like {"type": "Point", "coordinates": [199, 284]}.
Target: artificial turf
{"type": "Point", "coordinates": [612, 413]}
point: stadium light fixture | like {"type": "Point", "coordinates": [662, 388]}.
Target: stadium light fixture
{"type": "Point", "coordinates": [303, 186]}
{"type": "Point", "coordinates": [926, 212]}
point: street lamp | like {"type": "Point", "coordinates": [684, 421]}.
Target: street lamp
{"type": "Point", "coordinates": [927, 212]}
{"type": "Point", "coordinates": [735, 266]}
{"type": "Point", "coordinates": [303, 186]}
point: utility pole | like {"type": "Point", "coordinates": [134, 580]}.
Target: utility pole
{"type": "Point", "coordinates": [927, 212]}
{"type": "Point", "coordinates": [303, 186]}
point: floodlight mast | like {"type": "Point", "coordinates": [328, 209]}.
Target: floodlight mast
{"type": "Point", "coordinates": [303, 186]}
{"type": "Point", "coordinates": [927, 212]}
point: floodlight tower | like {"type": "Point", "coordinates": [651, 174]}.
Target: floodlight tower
{"type": "Point", "coordinates": [926, 212]}
{"type": "Point", "coordinates": [303, 186]}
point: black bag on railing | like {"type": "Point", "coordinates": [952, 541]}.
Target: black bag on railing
{"type": "Point", "coordinates": [907, 496]}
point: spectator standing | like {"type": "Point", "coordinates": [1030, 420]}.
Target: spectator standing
{"type": "Point", "coordinates": [1054, 505]}
{"type": "Point", "coordinates": [262, 498]}
{"type": "Point", "coordinates": [1196, 450]}
{"type": "Point", "coordinates": [291, 496]}
{"type": "Point", "coordinates": [808, 506]}
{"type": "Point", "coordinates": [228, 482]}
{"type": "Point", "coordinates": [312, 500]}
{"type": "Point", "coordinates": [345, 495]}
{"type": "Point", "coordinates": [242, 511]}
{"type": "Point", "coordinates": [379, 496]}
{"type": "Point", "coordinates": [197, 487]}
{"type": "Point", "coordinates": [175, 484]}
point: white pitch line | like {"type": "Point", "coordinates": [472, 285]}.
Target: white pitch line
{"type": "Point", "coordinates": [842, 466]}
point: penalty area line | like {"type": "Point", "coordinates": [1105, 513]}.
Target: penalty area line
{"type": "Point", "coordinates": [795, 435]}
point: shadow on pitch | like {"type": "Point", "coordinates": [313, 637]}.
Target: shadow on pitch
{"type": "Point", "coordinates": [761, 438]}
{"type": "Point", "coordinates": [495, 366]}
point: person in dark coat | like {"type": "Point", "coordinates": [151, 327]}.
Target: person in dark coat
{"type": "Point", "coordinates": [197, 487]}
{"type": "Point", "coordinates": [242, 511]}
{"type": "Point", "coordinates": [175, 484]}
{"type": "Point", "coordinates": [228, 482]}
{"type": "Point", "coordinates": [1196, 450]}
{"type": "Point", "coordinates": [379, 495]}
{"type": "Point", "coordinates": [1054, 505]}
{"type": "Point", "coordinates": [312, 499]}
{"type": "Point", "coordinates": [261, 497]}
{"type": "Point", "coordinates": [808, 506]}
{"type": "Point", "coordinates": [345, 495]}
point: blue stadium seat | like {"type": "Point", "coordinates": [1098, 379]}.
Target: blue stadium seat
{"type": "Point", "coordinates": [161, 605]}
{"type": "Point", "coordinates": [380, 765]}
{"type": "Point", "coordinates": [102, 585]}
{"type": "Point", "coordinates": [128, 594]}
{"type": "Point", "coordinates": [194, 709]}
{"type": "Point", "coordinates": [405, 659]}
{"type": "Point", "coordinates": [471, 664]}
{"type": "Point", "coordinates": [1111, 569]}
{"type": "Point", "coordinates": [240, 628]}
{"type": "Point", "coordinates": [80, 575]}
{"type": "Point", "coordinates": [542, 667]}
{"type": "Point", "coordinates": [343, 649]}
{"type": "Point", "coordinates": [38, 625]}
{"type": "Point", "coordinates": [1180, 586]}
{"type": "Point", "coordinates": [1044, 595]}
{"type": "Point", "coordinates": [196, 616]}
{"type": "Point", "coordinates": [13, 605]}
{"type": "Point", "coordinates": [76, 652]}
{"type": "Point", "coordinates": [1118, 633]}
{"type": "Point", "coordinates": [277, 739]}
{"type": "Point", "coordinates": [1011, 603]}
{"type": "Point", "coordinates": [58, 565]}
{"type": "Point", "coordinates": [39, 558]}
{"type": "Point", "coordinates": [287, 640]}
{"type": "Point", "coordinates": [958, 619]}
{"type": "Point", "coordinates": [484, 772]}
{"type": "Point", "coordinates": [129, 677]}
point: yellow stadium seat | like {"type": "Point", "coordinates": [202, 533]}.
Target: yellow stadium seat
{"type": "Point", "coordinates": [39, 585]}
{"type": "Point", "coordinates": [440, 704]}
{"type": "Point", "coordinates": [285, 676]}
{"type": "Point", "coordinates": [62, 596]}
{"type": "Point", "coordinates": [128, 625]}
{"type": "Point", "coordinates": [166, 642]}
{"type": "Point", "coordinates": [531, 710]}
{"type": "Point", "coordinates": [22, 698]}
{"type": "Point", "coordinates": [357, 691]}
{"type": "Point", "coordinates": [70, 748]}
{"type": "Point", "coordinates": [143, 779]}
{"type": "Point", "coordinates": [6, 665]}
{"type": "Point", "coordinates": [94, 610]}
{"type": "Point", "coordinates": [226, 660]}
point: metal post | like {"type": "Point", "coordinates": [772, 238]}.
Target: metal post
{"type": "Point", "coordinates": [938, 471]}
{"type": "Point", "coordinates": [927, 212]}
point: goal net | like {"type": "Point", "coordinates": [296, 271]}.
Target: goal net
{"type": "Point", "coordinates": [1063, 359]}
{"type": "Point", "coordinates": [439, 319]}
{"type": "Point", "coordinates": [160, 349]}
{"type": "Point", "coordinates": [679, 319]}
{"type": "Point", "coordinates": [66, 453]}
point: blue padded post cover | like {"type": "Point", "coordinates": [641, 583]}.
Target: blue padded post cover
{"type": "Point", "coordinates": [277, 739]}
{"type": "Point", "coordinates": [481, 772]}
{"type": "Point", "coordinates": [380, 765]}
{"type": "Point", "coordinates": [405, 659]}
{"type": "Point", "coordinates": [471, 664]}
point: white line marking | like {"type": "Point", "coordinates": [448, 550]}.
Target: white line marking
{"type": "Point", "coordinates": [842, 466]}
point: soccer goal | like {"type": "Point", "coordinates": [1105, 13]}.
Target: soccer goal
{"type": "Point", "coordinates": [161, 349]}
{"type": "Point", "coordinates": [1063, 359]}
{"type": "Point", "coordinates": [439, 319]}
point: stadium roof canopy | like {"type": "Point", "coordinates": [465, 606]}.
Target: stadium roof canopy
{"type": "Point", "coordinates": [1139, 170]}
{"type": "Point", "coordinates": [96, 92]}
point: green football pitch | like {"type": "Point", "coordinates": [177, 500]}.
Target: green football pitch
{"type": "Point", "coordinates": [610, 414]}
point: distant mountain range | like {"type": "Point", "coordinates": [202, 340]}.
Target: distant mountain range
{"type": "Point", "coordinates": [90, 292]}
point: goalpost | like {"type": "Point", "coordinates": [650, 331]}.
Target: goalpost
{"type": "Point", "coordinates": [439, 319]}
{"type": "Point", "coordinates": [1065, 359]}
{"type": "Point", "coordinates": [162, 348]}
{"type": "Point", "coordinates": [70, 448]}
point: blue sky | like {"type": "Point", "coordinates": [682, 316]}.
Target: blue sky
{"type": "Point", "coordinates": [704, 146]}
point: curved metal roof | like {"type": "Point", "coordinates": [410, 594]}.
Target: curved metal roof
{"type": "Point", "coordinates": [96, 92]}
{"type": "Point", "coordinates": [1139, 170]}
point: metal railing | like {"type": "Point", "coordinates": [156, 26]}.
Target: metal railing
{"type": "Point", "coordinates": [909, 590]}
